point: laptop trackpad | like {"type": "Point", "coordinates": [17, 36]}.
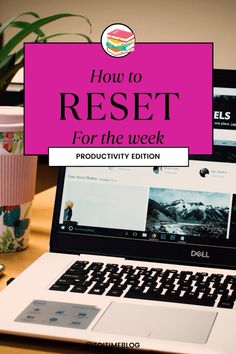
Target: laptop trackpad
{"type": "Point", "coordinates": [157, 322]}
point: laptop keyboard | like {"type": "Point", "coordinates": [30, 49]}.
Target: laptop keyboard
{"type": "Point", "coordinates": [149, 284]}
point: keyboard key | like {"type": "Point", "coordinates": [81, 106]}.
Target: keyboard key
{"type": "Point", "coordinates": [204, 274]}
{"type": "Point", "coordinates": [112, 265]}
{"type": "Point", "coordinates": [185, 273]}
{"type": "Point", "coordinates": [102, 285]}
{"type": "Point", "coordinates": [164, 275]}
{"type": "Point", "coordinates": [197, 277]}
{"type": "Point", "coordinates": [209, 300]}
{"type": "Point", "coordinates": [168, 281]}
{"type": "Point", "coordinates": [209, 296]}
{"type": "Point", "coordinates": [137, 288]}
{"type": "Point", "coordinates": [114, 292]}
{"type": "Point", "coordinates": [98, 279]}
{"type": "Point", "coordinates": [79, 265]}
{"type": "Point", "coordinates": [165, 286]}
{"type": "Point", "coordinates": [59, 287]}
{"type": "Point", "coordinates": [184, 282]}
{"type": "Point", "coordinates": [79, 289]}
{"type": "Point", "coordinates": [98, 273]}
{"type": "Point", "coordinates": [65, 281]}
{"type": "Point", "coordinates": [220, 286]}
{"type": "Point", "coordinates": [128, 270]}
{"type": "Point", "coordinates": [204, 291]}
{"type": "Point", "coordinates": [77, 271]}
{"type": "Point", "coordinates": [185, 288]}
{"type": "Point", "coordinates": [86, 283]}
{"type": "Point", "coordinates": [217, 275]}
{"type": "Point", "coordinates": [131, 293]}
{"type": "Point", "coordinates": [133, 282]}
{"type": "Point", "coordinates": [233, 295]}
{"type": "Point", "coordinates": [115, 275]}
{"type": "Point", "coordinates": [150, 278]}
{"type": "Point", "coordinates": [174, 293]}
{"type": "Point", "coordinates": [233, 287]}
{"type": "Point", "coordinates": [152, 294]}
{"type": "Point", "coordinates": [203, 284]}
{"type": "Point", "coordinates": [223, 292]}
{"type": "Point", "coordinates": [119, 287]}
{"type": "Point", "coordinates": [149, 284]}
{"type": "Point", "coordinates": [141, 270]}
{"type": "Point", "coordinates": [72, 271]}
{"type": "Point", "coordinates": [127, 267]}
{"type": "Point", "coordinates": [215, 278]}
{"type": "Point", "coordinates": [191, 296]}
{"type": "Point", "coordinates": [69, 276]}
{"type": "Point", "coordinates": [230, 279]}
{"type": "Point", "coordinates": [96, 266]}
{"type": "Point", "coordinates": [156, 271]}
{"type": "Point", "coordinates": [226, 304]}
{"type": "Point", "coordinates": [97, 291]}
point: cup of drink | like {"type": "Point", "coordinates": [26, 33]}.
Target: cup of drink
{"type": "Point", "coordinates": [17, 181]}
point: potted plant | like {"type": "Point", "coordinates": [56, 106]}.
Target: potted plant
{"type": "Point", "coordinates": [11, 56]}
{"type": "Point", "coordinates": [18, 172]}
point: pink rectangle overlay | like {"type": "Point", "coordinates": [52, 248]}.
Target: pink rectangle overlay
{"type": "Point", "coordinates": [56, 72]}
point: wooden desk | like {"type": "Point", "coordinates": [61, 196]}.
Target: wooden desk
{"type": "Point", "coordinates": [16, 262]}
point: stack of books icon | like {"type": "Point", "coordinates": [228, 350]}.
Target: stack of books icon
{"type": "Point", "coordinates": [120, 42]}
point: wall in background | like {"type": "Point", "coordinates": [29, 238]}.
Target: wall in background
{"type": "Point", "coordinates": [151, 20]}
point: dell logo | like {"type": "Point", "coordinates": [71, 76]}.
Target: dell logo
{"type": "Point", "coordinates": [200, 254]}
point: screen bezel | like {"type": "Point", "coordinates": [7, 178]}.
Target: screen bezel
{"type": "Point", "coordinates": [178, 253]}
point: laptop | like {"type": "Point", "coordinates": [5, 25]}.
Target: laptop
{"type": "Point", "coordinates": [140, 258]}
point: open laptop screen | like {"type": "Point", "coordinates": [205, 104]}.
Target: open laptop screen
{"type": "Point", "coordinates": [196, 204]}
{"type": "Point", "coordinates": [160, 208]}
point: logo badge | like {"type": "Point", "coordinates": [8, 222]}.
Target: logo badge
{"type": "Point", "coordinates": [118, 40]}
{"type": "Point", "coordinates": [200, 254]}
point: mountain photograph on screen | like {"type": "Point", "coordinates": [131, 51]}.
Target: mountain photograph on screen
{"type": "Point", "coordinates": [188, 213]}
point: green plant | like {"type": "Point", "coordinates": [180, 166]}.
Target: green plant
{"type": "Point", "coordinates": [11, 56]}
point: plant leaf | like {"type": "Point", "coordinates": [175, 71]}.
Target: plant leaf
{"type": "Point", "coordinates": [11, 247]}
{"type": "Point", "coordinates": [19, 54]}
{"type": "Point", "coordinates": [15, 144]}
{"type": "Point", "coordinates": [5, 70]}
{"type": "Point", "coordinates": [7, 62]}
{"type": "Point", "coordinates": [14, 41]}
{"type": "Point", "coordinates": [45, 38]}
{"type": "Point", "coordinates": [19, 135]}
{"type": "Point", "coordinates": [24, 24]}
{"type": "Point", "coordinates": [21, 146]}
{"type": "Point", "coordinates": [6, 24]}
{"type": "Point", "coordinates": [5, 78]}
{"type": "Point", "coordinates": [7, 234]}
{"type": "Point", "coordinates": [12, 69]}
